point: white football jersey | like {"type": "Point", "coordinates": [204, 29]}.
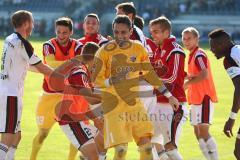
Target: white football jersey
{"type": "Point", "coordinates": [16, 57]}
{"type": "Point", "coordinates": [232, 62]}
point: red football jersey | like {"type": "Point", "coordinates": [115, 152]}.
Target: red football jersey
{"type": "Point", "coordinates": [78, 78]}
{"type": "Point", "coordinates": [97, 38]}
{"type": "Point", "coordinates": [168, 62]}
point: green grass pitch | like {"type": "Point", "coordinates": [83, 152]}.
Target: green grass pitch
{"type": "Point", "coordinates": [56, 145]}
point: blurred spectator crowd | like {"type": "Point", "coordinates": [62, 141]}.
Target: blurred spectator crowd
{"type": "Point", "coordinates": [77, 9]}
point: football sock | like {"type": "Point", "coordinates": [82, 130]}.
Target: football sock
{"type": "Point", "coordinates": [146, 152]}
{"type": "Point", "coordinates": [3, 151]}
{"type": "Point", "coordinates": [212, 148]}
{"type": "Point", "coordinates": [174, 154]}
{"type": "Point", "coordinates": [11, 153]}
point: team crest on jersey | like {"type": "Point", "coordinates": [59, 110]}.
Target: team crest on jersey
{"type": "Point", "coordinates": [133, 58]}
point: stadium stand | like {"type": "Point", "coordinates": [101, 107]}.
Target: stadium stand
{"type": "Point", "coordinates": [205, 15]}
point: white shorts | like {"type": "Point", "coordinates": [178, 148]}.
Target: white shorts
{"type": "Point", "coordinates": [202, 113]}
{"type": "Point", "coordinates": [79, 133]}
{"type": "Point", "coordinates": [10, 114]}
{"type": "Point", "coordinates": [167, 123]}
{"type": "Point", "coordinates": [146, 95]}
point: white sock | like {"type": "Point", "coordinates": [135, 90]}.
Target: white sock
{"type": "Point", "coordinates": [174, 154]}
{"type": "Point", "coordinates": [155, 154]}
{"type": "Point", "coordinates": [204, 148]}
{"type": "Point", "coordinates": [11, 153]}
{"type": "Point", "coordinates": [163, 156]}
{"type": "Point", "coordinates": [212, 148]}
{"type": "Point", "coordinates": [3, 151]}
{"type": "Point", "coordinates": [102, 156]}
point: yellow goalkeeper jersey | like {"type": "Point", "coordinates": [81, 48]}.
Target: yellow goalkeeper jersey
{"type": "Point", "coordinates": [111, 60]}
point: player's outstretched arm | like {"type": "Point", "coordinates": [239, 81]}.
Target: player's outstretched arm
{"type": "Point", "coordinates": [235, 108]}
{"type": "Point", "coordinates": [42, 68]}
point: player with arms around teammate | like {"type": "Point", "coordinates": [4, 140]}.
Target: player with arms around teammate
{"type": "Point", "coordinates": [168, 62]}
{"type": "Point", "coordinates": [117, 66]}
{"type": "Point", "coordinates": [222, 46]}
{"type": "Point", "coordinates": [17, 56]}
{"type": "Point", "coordinates": [55, 52]}
{"type": "Point", "coordinates": [78, 90]}
{"type": "Point", "coordinates": [201, 93]}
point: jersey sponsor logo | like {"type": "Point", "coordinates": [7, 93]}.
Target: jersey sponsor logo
{"type": "Point", "coordinates": [46, 49]}
{"type": "Point", "coordinates": [3, 58]}
{"type": "Point", "coordinates": [10, 45]}
{"type": "Point", "coordinates": [125, 69]}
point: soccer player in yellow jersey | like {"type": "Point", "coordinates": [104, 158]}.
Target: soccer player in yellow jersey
{"type": "Point", "coordinates": [119, 66]}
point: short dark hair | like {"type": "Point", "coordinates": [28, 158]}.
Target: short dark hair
{"type": "Point", "coordinates": [163, 21]}
{"type": "Point", "coordinates": [64, 21]}
{"type": "Point", "coordinates": [89, 50]}
{"type": "Point", "coordinates": [93, 15]}
{"type": "Point", "coordinates": [122, 19]}
{"type": "Point", "coordinates": [218, 33]}
{"type": "Point", "coordinates": [139, 22]}
{"type": "Point", "coordinates": [127, 7]}
{"type": "Point", "coordinates": [18, 18]}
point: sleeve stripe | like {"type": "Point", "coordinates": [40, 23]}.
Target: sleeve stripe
{"type": "Point", "coordinates": [175, 70]}
{"type": "Point", "coordinates": [36, 63]}
{"type": "Point", "coordinates": [84, 80]}
{"type": "Point", "coordinates": [200, 61]}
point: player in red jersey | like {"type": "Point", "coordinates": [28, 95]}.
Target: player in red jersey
{"type": "Point", "coordinates": [91, 28]}
{"type": "Point", "coordinates": [169, 65]}
{"type": "Point", "coordinates": [151, 48]}
{"type": "Point", "coordinates": [77, 84]}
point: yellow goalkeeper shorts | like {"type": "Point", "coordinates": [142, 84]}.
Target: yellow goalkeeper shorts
{"type": "Point", "coordinates": [45, 111]}
{"type": "Point", "coordinates": [123, 127]}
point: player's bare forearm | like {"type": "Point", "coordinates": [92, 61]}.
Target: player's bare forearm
{"type": "Point", "coordinates": [44, 69]}
{"type": "Point", "coordinates": [236, 98]}
{"type": "Point", "coordinates": [33, 69]}
{"type": "Point", "coordinates": [198, 78]}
